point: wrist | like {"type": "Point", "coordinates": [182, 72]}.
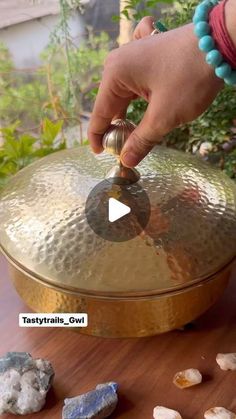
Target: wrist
{"type": "Point", "coordinates": [230, 18]}
{"type": "Point", "coordinates": [214, 38]}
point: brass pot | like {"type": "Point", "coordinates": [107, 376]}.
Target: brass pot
{"type": "Point", "coordinates": [165, 276]}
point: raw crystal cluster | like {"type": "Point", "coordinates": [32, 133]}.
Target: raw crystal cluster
{"type": "Point", "coordinates": [24, 383]}
{"type": "Point", "coordinates": [96, 404]}
{"type": "Point", "coordinates": [187, 378]}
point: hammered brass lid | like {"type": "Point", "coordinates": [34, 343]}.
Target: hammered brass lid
{"type": "Point", "coordinates": [191, 234]}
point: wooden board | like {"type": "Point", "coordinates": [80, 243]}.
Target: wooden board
{"type": "Point", "coordinates": [144, 368]}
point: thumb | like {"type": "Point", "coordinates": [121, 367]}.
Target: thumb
{"type": "Point", "coordinates": [142, 139]}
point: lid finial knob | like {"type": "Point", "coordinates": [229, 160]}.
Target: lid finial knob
{"type": "Point", "coordinates": [113, 142]}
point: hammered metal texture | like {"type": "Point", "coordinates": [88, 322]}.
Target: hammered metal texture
{"type": "Point", "coordinates": [128, 317]}
{"type": "Point", "coordinates": [190, 236]}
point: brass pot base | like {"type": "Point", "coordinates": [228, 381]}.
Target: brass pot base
{"type": "Point", "coordinates": [128, 317]}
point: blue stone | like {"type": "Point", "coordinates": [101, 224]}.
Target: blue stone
{"type": "Point", "coordinates": [201, 12]}
{"type": "Point", "coordinates": [223, 71]}
{"type": "Point", "coordinates": [96, 404]}
{"type": "Point", "coordinates": [205, 5]}
{"type": "Point", "coordinates": [199, 17]}
{"type": "Point", "coordinates": [206, 43]}
{"type": "Point", "coordinates": [231, 80]}
{"type": "Point", "coordinates": [201, 29]}
{"type": "Point", "coordinates": [214, 58]}
{"type": "Point", "coordinates": [112, 384]}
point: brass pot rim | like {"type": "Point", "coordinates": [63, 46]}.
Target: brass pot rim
{"type": "Point", "coordinates": [106, 295]}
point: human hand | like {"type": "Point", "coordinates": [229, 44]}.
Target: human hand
{"type": "Point", "coordinates": [169, 71]}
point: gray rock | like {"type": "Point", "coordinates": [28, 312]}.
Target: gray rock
{"type": "Point", "coordinates": [96, 404]}
{"type": "Point", "coordinates": [24, 383]}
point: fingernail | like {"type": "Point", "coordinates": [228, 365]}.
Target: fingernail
{"type": "Point", "coordinates": [130, 159]}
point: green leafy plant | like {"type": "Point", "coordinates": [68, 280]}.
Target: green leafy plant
{"type": "Point", "coordinates": [6, 65]}
{"type": "Point", "coordinates": [61, 36]}
{"type": "Point", "coordinates": [215, 126]}
{"type": "Point", "coordinates": [136, 9]}
{"type": "Point", "coordinates": [30, 97]}
{"type": "Point", "coordinates": [136, 110]}
{"type": "Point", "coordinates": [86, 63]}
{"type": "Point", "coordinates": [47, 99]}
{"type": "Point", "coordinates": [18, 150]}
{"type": "Point", "coordinates": [180, 13]}
{"type": "Point", "coordinates": [23, 100]}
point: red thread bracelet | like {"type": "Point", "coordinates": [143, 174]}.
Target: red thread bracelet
{"type": "Point", "coordinates": [221, 35]}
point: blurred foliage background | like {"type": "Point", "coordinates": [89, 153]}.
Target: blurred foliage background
{"type": "Point", "coordinates": [37, 106]}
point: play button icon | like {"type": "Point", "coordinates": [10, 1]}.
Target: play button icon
{"type": "Point", "coordinates": [117, 210]}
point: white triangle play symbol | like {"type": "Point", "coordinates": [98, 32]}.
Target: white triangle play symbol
{"type": "Point", "coordinates": [117, 210]}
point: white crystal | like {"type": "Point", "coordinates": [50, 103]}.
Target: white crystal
{"type": "Point", "coordinates": [187, 378]}
{"type": "Point", "coordinates": [24, 383]}
{"type": "Point", "coordinates": [161, 412]}
{"type": "Point", "coordinates": [219, 413]}
{"type": "Point", "coordinates": [205, 148]}
{"type": "Point", "coordinates": [227, 361]}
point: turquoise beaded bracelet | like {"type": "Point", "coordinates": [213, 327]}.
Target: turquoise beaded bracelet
{"type": "Point", "coordinates": [207, 44]}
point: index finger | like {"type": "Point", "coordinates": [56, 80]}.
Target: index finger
{"type": "Point", "coordinates": [144, 28]}
{"type": "Point", "coordinates": [111, 103]}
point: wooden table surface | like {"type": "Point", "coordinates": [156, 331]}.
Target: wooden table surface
{"type": "Point", "coordinates": [144, 367]}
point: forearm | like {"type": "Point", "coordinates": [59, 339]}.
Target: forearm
{"type": "Point", "coordinates": [230, 15]}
